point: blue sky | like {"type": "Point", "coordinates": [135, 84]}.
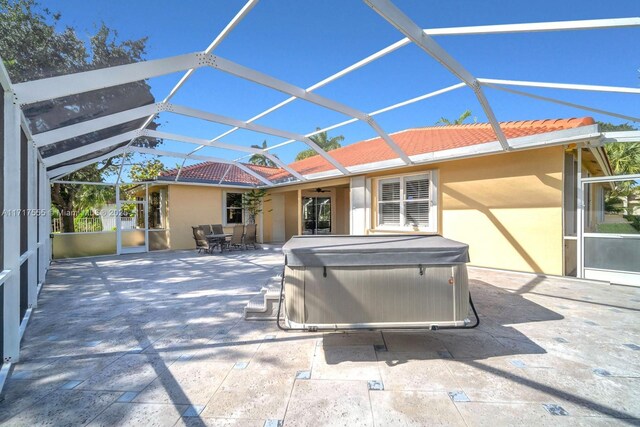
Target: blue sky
{"type": "Point", "coordinates": [303, 42]}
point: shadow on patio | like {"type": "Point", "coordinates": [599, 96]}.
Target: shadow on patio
{"type": "Point", "coordinates": [160, 338]}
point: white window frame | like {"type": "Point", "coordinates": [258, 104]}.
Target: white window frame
{"type": "Point", "coordinates": [432, 176]}
{"type": "Point", "coordinates": [224, 209]}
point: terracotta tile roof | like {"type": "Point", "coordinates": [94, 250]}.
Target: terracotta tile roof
{"type": "Point", "coordinates": [430, 139]}
{"type": "Point", "coordinates": [213, 172]}
{"type": "Point", "coordinates": [412, 141]}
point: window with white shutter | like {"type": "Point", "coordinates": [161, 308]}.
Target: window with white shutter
{"type": "Point", "coordinates": [416, 201]}
{"type": "Point", "coordinates": [389, 205]}
{"type": "Point", "coordinates": [406, 202]}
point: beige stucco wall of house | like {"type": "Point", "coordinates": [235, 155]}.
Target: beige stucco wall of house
{"type": "Point", "coordinates": [507, 207]}
{"type": "Point", "coordinates": [273, 218]}
{"type": "Point", "coordinates": [281, 216]}
{"type": "Point", "coordinates": [341, 220]}
{"type": "Point", "coordinates": [267, 217]}
{"type": "Point", "coordinates": [191, 205]}
{"type": "Point", "coordinates": [291, 216]}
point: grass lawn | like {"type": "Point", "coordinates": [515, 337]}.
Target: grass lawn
{"type": "Point", "coordinates": [623, 228]}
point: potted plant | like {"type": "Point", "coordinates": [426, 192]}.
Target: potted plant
{"type": "Point", "coordinates": [252, 205]}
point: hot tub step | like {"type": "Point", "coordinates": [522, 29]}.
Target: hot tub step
{"type": "Point", "coordinates": [267, 309]}
{"type": "Point", "coordinates": [264, 306]}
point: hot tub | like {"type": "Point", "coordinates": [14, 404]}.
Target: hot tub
{"type": "Point", "coordinates": [375, 282]}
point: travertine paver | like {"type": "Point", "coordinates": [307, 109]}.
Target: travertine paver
{"type": "Point", "coordinates": [159, 339]}
{"type": "Point", "coordinates": [65, 407]}
{"type": "Point", "coordinates": [330, 403]}
{"type": "Point", "coordinates": [414, 408]}
{"type": "Point", "coordinates": [20, 395]}
{"type": "Point", "coordinates": [294, 355]}
{"type": "Point", "coordinates": [488, 414]}
{"type": "Point", "coordinates": [218, 422]}
{"type": "Point", "coordinates": [252, 392]}
{"type": "Point", "coordinates": [132, 372]}
{"type": "Point", "coordinates": [357, 362]}
{"type": "Point", "coordinates": [414, 371]}
{"type": "Point", "coordinates": [140, 414]}
{"type": "Point", "coordinates": [495, 380]}
{"type": "Point", "coordinates": [188, 382]}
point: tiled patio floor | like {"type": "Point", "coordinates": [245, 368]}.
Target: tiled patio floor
{"type": "Point", "coordinates": [158, 339]}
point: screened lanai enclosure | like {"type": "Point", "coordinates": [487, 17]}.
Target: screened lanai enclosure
{"type": "Point", "coordinates": [58, 124]}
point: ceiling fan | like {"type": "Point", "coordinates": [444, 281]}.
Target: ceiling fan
{"type": "Point", "coordinates": [320, 190]}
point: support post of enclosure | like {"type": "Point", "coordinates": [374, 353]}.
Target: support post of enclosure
{"type": "Point", "coordinates": [32, 224]}
{"type": "Point", "coordinates": [580, 216]}
{"type": "Point", "coordinates": [47, 200]}
{"type": "Point", "coordinates": [358, 201]}
{"type": "Point", "coordinates": [11, 218]}
{"type": "Point", "coordinates": [145, 210]}
{"type": "Point", "coordinates": [300, 217]}
{"type": "Point", "coordinates": [118, 219]}
{"type": "Point", "coordinates": [43, 229]}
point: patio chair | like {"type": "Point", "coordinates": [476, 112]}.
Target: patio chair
{"type": "Point", "coordinates": [236, 237]}
{"type": "Point", "coordinates": [218, 229]}
{"type": "Point", "coordinates": [201, 240]}
{"type": "Point", "coordinates": [250, 236]}
{"type": "Point", "coordinates": [206, 228]}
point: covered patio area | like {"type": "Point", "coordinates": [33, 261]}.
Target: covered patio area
{"type": "Point", "coordinates": [159, 339]}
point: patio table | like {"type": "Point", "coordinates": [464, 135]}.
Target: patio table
{"type": "Point", "coordinates": [216, 240]}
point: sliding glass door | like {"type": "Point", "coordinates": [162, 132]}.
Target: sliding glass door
{"type": "Point", "coordinates": [316, 215]}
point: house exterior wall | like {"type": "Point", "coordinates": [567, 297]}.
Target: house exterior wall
{"type": "Point", "coordinates": [274, 218]}
{"type": "Point", "coordinates": [267, 217]}
{"type": "Point", "coordinates": [291, 216]}
{"type": "Point", "coordinates": [191, 205]}
{"type": "Point", "coordinates": [281, 208]}
{"type": "Point", "coordinates": [282, 222]}
{"type": "Point", "coordinates": [507, 207]}
{"type": "Point", "coordinates": [342, 217]}
{"type": "Point", "coordinates": [278, 222]}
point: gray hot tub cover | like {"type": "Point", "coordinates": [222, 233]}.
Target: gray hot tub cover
{"type": "Point", "coordinates": [373, 250]}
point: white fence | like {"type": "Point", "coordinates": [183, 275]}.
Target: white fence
{"type": "Point", "coordinates": [87, 225]}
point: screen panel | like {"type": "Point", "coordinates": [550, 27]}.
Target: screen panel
{"type": "Point", "coordinates": [24, 190]}
{"type": "Point", "coordinates": [1, 186]}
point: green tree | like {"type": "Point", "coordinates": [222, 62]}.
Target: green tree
{"type": "Point", "coordinates": [324, 142]}
{"type": "Point", "coordinates": [146, 171]}
{"type": "Point", "coordinates": [252, 203]}
{"type": "Point", "coordinates": [460, 120]}
{"type": "Point", "coordinates": [32, 48]}
{"type": "Point", "coordinates": [69, 199]}
{"type": "Point", "coordinates": [261, 159]}
{"type": "Point", "coordinates": [624, 158]}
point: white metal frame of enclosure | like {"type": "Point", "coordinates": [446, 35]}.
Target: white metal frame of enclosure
{"type": "Point", "coordinates": [51, 168]}
{"type": "Point", "coordinates": [617, 276]}
{"type": "Point", "coordinates": [55, 87]}
{"type": "Point", "coordinates": [37, 253]}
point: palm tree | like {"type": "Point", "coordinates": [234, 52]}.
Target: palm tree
{"type": "Point", "coordinates": [261, 159]}
{"type": "Point", "coordinates": [464, 116]}
{"type": "Point", "coordinates": [624, 158]}
{"type": "Point", "coordinates": [324, 142]}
